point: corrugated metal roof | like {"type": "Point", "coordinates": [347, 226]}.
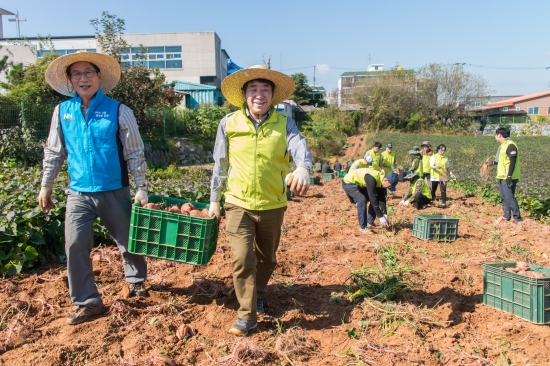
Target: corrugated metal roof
{"type": "Point", "coordinates": [317, 88]}
{"type": "Point", "coordinates": [188, 86]}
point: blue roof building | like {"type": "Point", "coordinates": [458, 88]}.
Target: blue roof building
{"type": "Point", "coordinates": [197, 94]}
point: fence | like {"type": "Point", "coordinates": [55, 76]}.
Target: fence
{"type": "Point", "coordinates": [168, 122]}
{"type": "Point", "coordinates": [507, 119]}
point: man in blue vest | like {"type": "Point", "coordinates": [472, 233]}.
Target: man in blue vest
{"type": "Point", "coordinates": [251, 155]}
{"type": "Point", "coordinates": [100, 140]}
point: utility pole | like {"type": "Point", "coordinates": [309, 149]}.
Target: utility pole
{"type": "Point", "coordinates": [17, 20]}
{"type": "Point", "coordinates": [314, 74]}
{"type": "Point", "coordinates": [369, 58]}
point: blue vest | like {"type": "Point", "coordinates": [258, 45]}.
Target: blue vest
{"type": "Point", "coordinates": [95, 159]}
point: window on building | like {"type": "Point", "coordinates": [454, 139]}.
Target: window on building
{"type": "Point", "coordinates": [505, 109]}
{"type": "Point", "coordinates": [153, 57]}
{"type": "Point", "coordinates": [346, 90]}
{"type": "Point", "coordinates": [61, 52]}
{"type": "Point", "coordinates": [207, 80]}
{"type": "Point", "coordinates": [518, 109]}
{"type": "Point", "coordinates": [533, 110]}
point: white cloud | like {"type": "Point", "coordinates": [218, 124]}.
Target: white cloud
{"type": "Point", "coordinates": [323, 68]}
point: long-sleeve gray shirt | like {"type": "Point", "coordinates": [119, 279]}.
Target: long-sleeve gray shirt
{"type": "Point", "coordinates": [128, 132]}
{"type": "Point", "coordinates": [296, 145]}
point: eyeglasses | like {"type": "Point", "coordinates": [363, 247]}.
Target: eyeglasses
{"type": "Point", "coordinates": [443, 150]}
{"type": "Point", "coordinates": [77, 75]}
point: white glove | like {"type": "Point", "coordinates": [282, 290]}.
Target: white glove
{"type": "Point", "coordinates": [215, 210]}
{"type": "Point", "coordinates": [406, 203]}
{"type": "Point", "coordinates": [453, 177]}
{"type": "Point", "coordinates": [141, 197]}
{"type": "Point", "coordinates": [401, 203]}
{"type": "Point", "coordinates": [299, 181]}
{"type": "Point", "coordinates": [384, 221]}
{"type": "Point", "coordinates": [45, 198]}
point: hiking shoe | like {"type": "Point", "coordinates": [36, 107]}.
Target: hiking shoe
{"type": "Point", "coordinates": [242, 327]}
{"type": "Point", "coordinates": [260, 306]}
{"type": "Point", "coordinates": [84, 312]}
{"type": "Point", "coordinates": [365, 231]}
{"type": "Point", "coordinates": [371, 225]}
{"type": "Point", "coordinates": [443, 205]}
{"type": "Point", "coordinates": [138, 289]}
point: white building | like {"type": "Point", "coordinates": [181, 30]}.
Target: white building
{"type": "Point", "coordinates": [195, 57]}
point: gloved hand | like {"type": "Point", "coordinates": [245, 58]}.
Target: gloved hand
{"type": "Point", "coordinates": [453, 177]}
{"type": "Point", "coordinates": [509, 182]}
{"type": "Point", "coordinates": [141, 197]}
{"type": "Point", "coordinates": [384, 221]}
{"type": "Point", "coordinates": [45, 198]}
{"type": "Point", "coordinates": [299, 181]}
{"type": "Point", "coordinates": [215, 210]}
{"type": "Point", "coordinates": [406, 203]}
{"type": "Point", "coordinates": [401, 203]}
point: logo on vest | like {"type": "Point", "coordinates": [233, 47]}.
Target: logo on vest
{"type": "Point", "coordinates": [99, 114]}
{"type": "Point", "coordinates": [68, 117]}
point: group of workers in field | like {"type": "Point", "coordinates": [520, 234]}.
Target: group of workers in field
{"type": "Point", "coordinates": [99, 139]}
{"type": "Point", "coordinates": [371, 178]}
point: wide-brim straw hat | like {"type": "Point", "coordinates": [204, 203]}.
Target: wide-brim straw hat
{"type": "Point", "coordinates": [56, 75]}
{"type": "Point", "coordinates": [232, 84]}
{"type": "Point", "coordinates": [426, 143]}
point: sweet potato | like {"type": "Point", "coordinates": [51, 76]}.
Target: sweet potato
{"type": "Point", "coordinates": [153, 206]}
{"type": "Point", "coordinates": [195, 213]}
{"type": "Point", "coordinates": [174, 209]}
{"type": "Point", "coordinates": [188, 207]}
{"type": "Point", "coordinates": [205, 212]}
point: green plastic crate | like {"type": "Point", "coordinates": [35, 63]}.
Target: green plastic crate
{"type": "Point", "coordinates": [327, 176]}
{"type": "Point", "coordinates": [435, 227]}
{"type": "Point", "coordinates": [526, 297]}
{"type": "Point", "coordinates": [172, 236]}
{"type": "Point", "coordinates": [314, 180]}
{"type": "Point", "coordinates": [340, 174]}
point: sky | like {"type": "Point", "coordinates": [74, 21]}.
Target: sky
{"type": "Point", "coordinates": [504, 41]}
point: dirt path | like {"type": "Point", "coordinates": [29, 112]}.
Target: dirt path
{"type": "Point", "coordinates": [309, 321]}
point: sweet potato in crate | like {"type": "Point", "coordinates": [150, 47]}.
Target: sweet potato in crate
{"type": "Point", "coordinates": [172, 236]}
{"type": "Point", "coordinates": [521, 295]}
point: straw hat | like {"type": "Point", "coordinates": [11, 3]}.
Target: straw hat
{"type": "Point", "coordinates": [415, 150]}
{"type": "Point", "coordinates": [426, 143]}
{"type": "Point", "coordinates": [232, 84]}
{"type": "Point", "coordinates": [56, 75]}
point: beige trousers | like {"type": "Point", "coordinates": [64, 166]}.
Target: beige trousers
{"type": "Point", "coordinates": [254, 237]}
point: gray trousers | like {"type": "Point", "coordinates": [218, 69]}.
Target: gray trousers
{"type": "Point", "coordinates": [114, 209]}
{"type": "Point", "coordinates": [509, 203]}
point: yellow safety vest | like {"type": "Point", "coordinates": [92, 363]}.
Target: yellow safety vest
{"type": "Point", "coordinates": [258, 161]}
{"type": "Point", "coordinates": [361, 163]}
{"type": "Point", "coordinates": [375, 158]}
{"type": "Point", "coordinates": [357, 177]}
{"type": "Point", "coordinates": [440, 161]}
{"type": "Point", "coordinates": [504, 161]}
{"type": "Point", "coordinates": [426, 162]}
{"type": "Point", "coordinates": [388, 158]}
{"type": "Point", "coordinates": [425, 190]}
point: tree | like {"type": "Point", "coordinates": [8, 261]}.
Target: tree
{"type": "Point", "coordinates": [302, 93]}
{"type": "Point", "coordinates": [448, 91]}
{"type": "Point", "coordinates": [389, 99]}
{"type": "Point", "coordinates": [139, 88]}
{"type": "Point", "coordinates": [28, 84]}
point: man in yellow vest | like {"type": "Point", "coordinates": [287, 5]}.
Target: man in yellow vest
{"type": "Point", "coordinates": [418, 193]}
{"type": "Point", "coordinates": [508, 173]}
{"type": "Point", "coordinates": [376, 155]}
{"type": "Point", "coordinates": [367, 184]}
{"type": "Point", "coordinates": [389, 164]}
{"type": "Point", "coordinates": [440, 172]}
{"type": "Point", "coordinates": [251, 157]}
{"type": "Point", "coordinates": [426, 156]}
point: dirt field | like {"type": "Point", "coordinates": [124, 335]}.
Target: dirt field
{"type": "Point", "coordinates": [309, 321]}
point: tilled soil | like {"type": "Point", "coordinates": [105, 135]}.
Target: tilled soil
{"type": "Point", "coordinates": [309, 320]}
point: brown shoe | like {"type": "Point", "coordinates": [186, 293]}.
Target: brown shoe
{"type": "Point", "coordinates": [138, 289]}
{"type": "Point", "coordinates": [84, 312]}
